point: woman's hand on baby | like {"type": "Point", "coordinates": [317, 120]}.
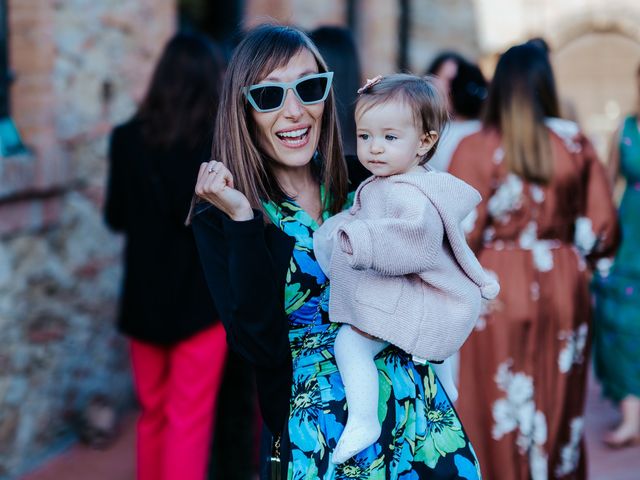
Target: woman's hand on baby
{"type": "Point", "coordinates": [215, 185]}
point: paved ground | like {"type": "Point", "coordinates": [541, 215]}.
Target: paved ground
{"type": "Point", "coordinates": [117, 463]}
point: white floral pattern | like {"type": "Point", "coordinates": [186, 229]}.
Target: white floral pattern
{"type": "Point", "coordinates": [573, 351]}
{"type": "Point", "coordinates": [517, 411]}
{"type": "Point", "coordinates": [488, 234]}
{"type": "Point", "coordinates": [540, 249]}
{"type": "Point", "coordinates": [570, 453]}
{"type": "Point", "coordinates": [506, 199]}
{"type": "Point", "coordinates": [537, 193]}
{"type": "Point", "coordinates": [542, 256]}
{"type": "Point", "coordinates": [604, 266]}
{"type": "Point", "coordinates": [584, 237]}
{"type": "Point", "coordinates": [567, 130]}
{"type": "Point", "coordinates": [534, 289]}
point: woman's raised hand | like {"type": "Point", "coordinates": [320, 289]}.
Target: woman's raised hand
{"type": "Point", "coordinates": [215, 185]}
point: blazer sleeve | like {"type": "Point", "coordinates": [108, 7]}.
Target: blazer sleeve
{"type": "Point", "coordinates": [116, 193]}
{"type": "Point", "coordinates": [406, 241]}
{"type": "Point", "coordinates": [242, 280]}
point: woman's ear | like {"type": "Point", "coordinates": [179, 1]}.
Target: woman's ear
{"type": "Point", "coordinates": [427, 140]}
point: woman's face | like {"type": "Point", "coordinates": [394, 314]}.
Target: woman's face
{"type": "Point", "coordinates": [445, 75]}
{"type": "Point", "coordinates": [290, 135]}
{"type": "Point", "coordinates": [443, 78]}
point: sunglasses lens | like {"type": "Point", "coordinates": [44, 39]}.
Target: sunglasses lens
{"type": "Point", "coordinates": [312, 90]}
{"type": "Point", "coordinates": [267, 98]}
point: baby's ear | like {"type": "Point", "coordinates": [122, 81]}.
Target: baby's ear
{"type": "Point", "coordinates": [427, 140]}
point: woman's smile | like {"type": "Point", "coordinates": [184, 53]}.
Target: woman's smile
{"type": "Point", "coordinates": [295, 137]}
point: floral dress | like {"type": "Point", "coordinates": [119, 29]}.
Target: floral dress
{"type": "Point", "coordinates": [617, 312]}
{"type": "Point", "coordinates": [422, 437]}
{"type": "Point", "coordinates": [523, 371]}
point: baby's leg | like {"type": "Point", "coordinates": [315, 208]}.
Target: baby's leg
{"type": "Point", "coordinates": [444, 371]}
{"type": "Point", "coordinates": [354, 356]}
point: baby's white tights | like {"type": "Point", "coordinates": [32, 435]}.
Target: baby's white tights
{"type": "Point", "coordinates": [354, 356]}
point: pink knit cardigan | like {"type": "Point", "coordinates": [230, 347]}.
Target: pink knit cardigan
{"type": "Point", "coordinates": [399, 264]}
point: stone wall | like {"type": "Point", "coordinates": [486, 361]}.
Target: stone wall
{"type": "Point", "coordinates": [80, 67]}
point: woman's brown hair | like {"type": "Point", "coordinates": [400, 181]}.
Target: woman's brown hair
{"type": "Point", "coordinates": [235, 142]}
{"type": "Point", "coordinates": [182, 98]}
{"type": "Point", "coordinates": [521, 96]}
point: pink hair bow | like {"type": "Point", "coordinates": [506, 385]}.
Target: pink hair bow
{"type": "Point", "coordinates": [369, 84]}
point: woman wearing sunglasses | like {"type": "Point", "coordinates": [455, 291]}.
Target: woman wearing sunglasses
{"type": "Point", "coordinates": [278, 173]}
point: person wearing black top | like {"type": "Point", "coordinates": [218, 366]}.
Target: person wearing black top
{"type": "Point", "coordinates": [178, 345]}
{"type": "Point", "coordinates": [277, 172]}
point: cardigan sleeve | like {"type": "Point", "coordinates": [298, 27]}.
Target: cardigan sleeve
{"type": "Point", "coordinates": [243, 283]}
{"type": "Point", "coordinates": [406, 241]}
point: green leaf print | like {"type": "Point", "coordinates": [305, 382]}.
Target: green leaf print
{"type": "Point", "coordinates": [377, 469]}
{"type": "Point", "coordinates": [430, 386]}
{"type": "Point", "coordinates": [444, 436]}
{"type": "Point", "coordinates": [294, 297]}
{"type": "Point", "coordinates": [312, 473]}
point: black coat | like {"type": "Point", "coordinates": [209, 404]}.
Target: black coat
{"type": "Point", "coordinates": [245, 264]}
{"type": "Point", "coordinates": [164, 297]}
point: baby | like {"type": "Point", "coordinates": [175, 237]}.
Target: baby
{"type": "Point", "coordinates": [401, 271]}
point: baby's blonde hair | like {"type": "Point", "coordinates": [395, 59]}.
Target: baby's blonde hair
{"type": "Point", "coordinates": [426, 101]}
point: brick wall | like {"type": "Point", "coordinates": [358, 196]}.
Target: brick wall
{"type": "Point", "coordinates": [59, 266]}
{"type": "Point", "coordinates": [377, 36]}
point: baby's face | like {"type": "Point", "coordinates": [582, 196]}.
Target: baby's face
{"type": "Point", "coordinates": [389, 142]}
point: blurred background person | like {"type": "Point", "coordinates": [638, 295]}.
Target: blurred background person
{"type": "Point", "coordinates": [617, 292]}
{"type": "Point", "coordinates": [466, 89]}
{"type": "Point", "coordinates": [546, 207]}
{"type": "Point", "coordinates": [567, 106]}
{"type": "Point", "coordinates": [338, 48]}
{"type": "Point", "coordinates": [445, 68]}
{"type": "Point", "coordinates": [178, 346]}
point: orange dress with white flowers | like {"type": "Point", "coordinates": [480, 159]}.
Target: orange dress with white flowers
{"type": "Point", "coordinates": [523, 371]}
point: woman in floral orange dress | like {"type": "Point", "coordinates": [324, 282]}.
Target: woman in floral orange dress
{"type": "Point", "coordinates": [546, 214]}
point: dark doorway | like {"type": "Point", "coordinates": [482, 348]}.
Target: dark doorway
{"type": "Point", "coordinates": [220, 20]}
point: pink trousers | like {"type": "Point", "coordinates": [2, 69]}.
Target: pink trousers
{"type": "Point", "coordinates": [177, 388]}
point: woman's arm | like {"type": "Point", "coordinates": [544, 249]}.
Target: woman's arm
{"type": "Point", "coordinates": [599, 214]}
{"type": "Point", "coordinates": [243, 282]}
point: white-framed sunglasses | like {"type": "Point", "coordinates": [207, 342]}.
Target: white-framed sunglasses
{"type": "Point", "coordinates": [268, 97]}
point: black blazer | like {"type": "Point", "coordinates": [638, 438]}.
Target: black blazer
{"type": "Point", "coordinates": [164, 297]}
{"type": "Point", "coordinates": [245, 264]}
